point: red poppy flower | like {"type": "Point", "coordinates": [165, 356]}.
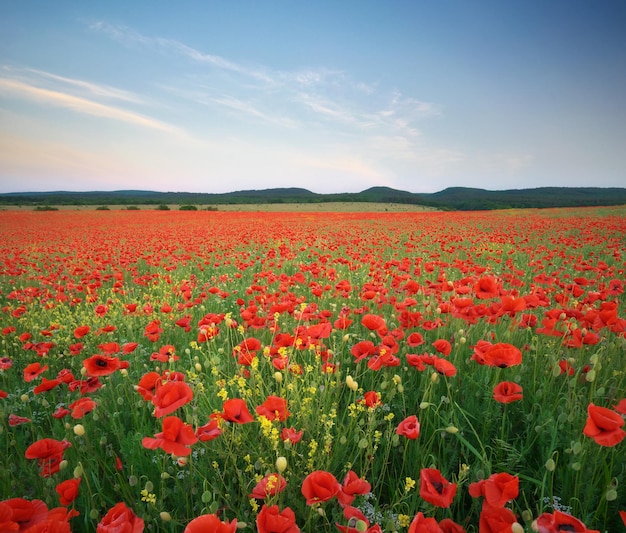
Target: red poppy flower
{"type": "Point", "coordinates": [621, 406]}
{"type": "Point", "coordinates": [559, 521]}
{"type": "Point", "coordinates": [75, 349]}
{"type": "Point", "coordinates": [24, 513]}
{"type": "Point", "coordinates": [436, 489]}
{"type": "Point", "coordinates": [343, 322]}
{"type": "Point", "coordinates": [46, 385]}
{"type": "Point", "coordinates": [497, 490]}
{"type": "Point", "coordinates": [49, 452]}
{"type": "Point", "coordinates": [604, 426]}
{"type": "Point", "coordinates": [81, 331]}
{"type": "Point", "coordinates": [170, 396]}
{"type": "Point", "coordinates": [362, 350]}
{"type": "Point", "coordinates": [500, 354]}
{"type": "Point", "coordinates": [209, 431]}
{"type": "Point", "coordinates": [15, 420]}
{"type": "Point", "coordinates": [3, 394]}
{"type": "Point", "coordinates": [81, 407]}
{"type": "Point", "coordinates": [421, 524]}
{"type": "Point", "coordinates": [414, 339]}
{"type": "Point", "coordinates": [409, 427]}
{"type": "Point", "coordinates": [496, 519]}
{"type": "Point", "coordinates": [109, 348]}
{"type": "Point", "coordinates": [153, 330]}
{"type": "Point", "coordinates": [68, 491]}
{"type": "Point", "coordinates": [60, 412]}
{"type": "Point", "coordinates": [274, 408]}
{"type": "Point", "coordinates": [352, 486]}
{"type": "Point", "coordinates": [291, 435]}
{"type": "Point", "coordinates": [486, 287]}
{"type": "Point", "coordinates": [371, 399]}
{"type": "Point", "coordinates": [129, 347]}
{"type": "Point", "coordinates": [319, 486]}
{"type": "Point", "coordinates": [165, 354]}
{"type": "Point", "coordinates": [5, 363]}
{"type": "Point", "coordinates": [103, 365]}
{"type": "Point", "coordinates": [212, 523]}
{"type": "Point", "coordinates": [269, 486]}
{"type": "Point", "coordinates": [272, 520]}
{"type": "Point", "coordinates": [507, 392]}
{"type": "Point", "coordinates": [319, 331]}
{"type": "Point", "coordinates": [175, 438]}
{"type": "Point", "coordinates": [101, 310]}
{"type": "Point", "coordinates": [148, 384]}
{"type": "Point", "coordinates": [246, 350]}
{"type": "Point", "coordinates": [374, 323]}
{"type": "Point", "coordinates": [235, 410]}
{"type": "Point", "coordinates": [444, 367]}
{"type": "Point", "coordinates": [443, 346]}
{"type": "Point", "coordinates": [33, 371]}
{"type": "Point", "coordinates": [449, 526]}
{"type": "Point", "coordinates": [120, 518]}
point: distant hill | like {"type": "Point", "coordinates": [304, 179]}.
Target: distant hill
{"type": "Point", "coordinates": [453, 198]}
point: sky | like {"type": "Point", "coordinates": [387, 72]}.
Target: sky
{"type": "Point", "coordinates": [332, 96]}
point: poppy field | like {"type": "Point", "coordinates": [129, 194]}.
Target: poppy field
{"type": "Point", "coordinates": [284, 372]}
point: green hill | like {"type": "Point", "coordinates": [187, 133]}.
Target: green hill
{"type": "Point", "coordinates": [453, 198]}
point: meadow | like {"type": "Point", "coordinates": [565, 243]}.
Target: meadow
{"type": "Point", "coordinates": [313, 371]}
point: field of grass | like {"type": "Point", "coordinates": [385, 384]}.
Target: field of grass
{"type": "Point", "coordinates": [312, 371]}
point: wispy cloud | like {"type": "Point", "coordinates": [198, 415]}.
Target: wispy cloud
{"type": "Point", "coordinates": [16, 88]}
{"type": "Point", "coordinates": [322, 94]}
{"type": "Point", "coordinates": [97, 90]}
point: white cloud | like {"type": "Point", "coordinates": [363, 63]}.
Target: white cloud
{"type": "Point", "coordinates": [24, 91]}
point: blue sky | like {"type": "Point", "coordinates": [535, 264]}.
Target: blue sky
{"type": "Point", "coordinates": [332, 96]}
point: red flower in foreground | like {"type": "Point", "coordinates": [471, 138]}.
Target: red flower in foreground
{"type": "Point", "coordinates": [50, 454]}
{"type": "Point", "coordinates": [272, 520]}
{"type": "Point", "coordinates": [507, 392]}
{"type": "Point", "coordinates": [371, 399]}
{"type": "Point", "coordinates": [46, 385]}
{"type": "Point", "coordinates": [20, 514]}
{"type": "Point", "coordinates": [421, 524]}
{"type": "Point", "coordinates": [497, 490]}
{"type": "Point", "coordinates": [558, 521]}
{"type": "Point", "coordinates": [496, 519]}
{"type": "Point", "coordinates": [211, 430]}
{"type": "Point", "coordinates": [210, 523]}
{"type": "Point", "coordinates": [351, 486]}
{"type": "Point", "coordinates": [409, 427]}
{"type": "Point", "coordinates": [436, 489]}
{"type": "Point", "coordinates": [68, 491]}
{"type": "Point", "coordinates": [319, 486]}
{"type": "Point", "coordinates": [500, 354]}
{"type": "Point", "coordinates": [81, 331]}
{"type": "Point", "coordinates": [15, 420]}
{"type": "Point", "coordinates": [103, 365]}
{"type": "Point", "coordinates": [291, 435]}
{"type": "Point", "coordinates": [443, 346]}
{"type": "Point", "coordinates": [274, 408]}
{"type": "Point", "coordinates": [270, 485]}
{"type": "Point", "coordinates": [81, 407]}
{"type": "Point", "coordinates": [175, 438]}
{"type": "Point", "coordinates": [33, 371]}
{"type": "Point", "coordinates": [120, 519]}
{"type": "Point", "coordinates": [170, 396]}
{"type": "Point", "coordinates": [235, 410]}
{"type": "Point", "coordinates": [604, 426]}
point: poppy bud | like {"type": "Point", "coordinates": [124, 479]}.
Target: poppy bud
{"type": "Point", "coordinates": [281, 464]}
